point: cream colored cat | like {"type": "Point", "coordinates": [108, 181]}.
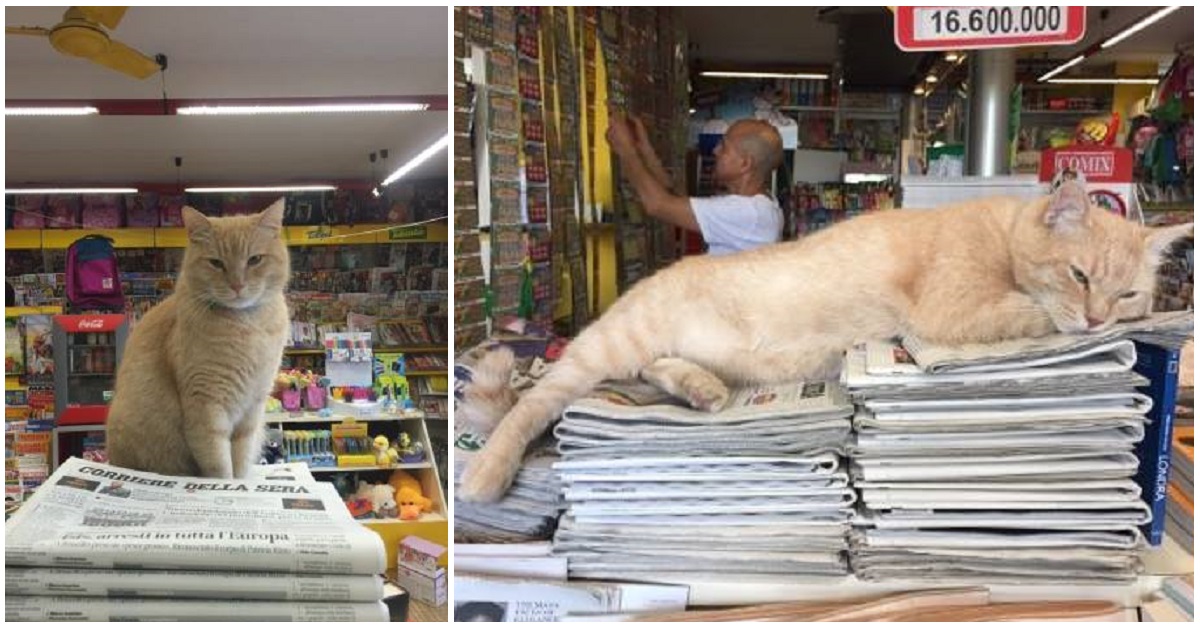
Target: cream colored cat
{"type": "Point", "coordinates": [197, 369]}
{"type": "Point", "coordinates": [976, 272]}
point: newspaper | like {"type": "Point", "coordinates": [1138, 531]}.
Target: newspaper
{"type": "Point", "coordinates": [96, 516]}
{"type": "Point", "coordinates": [37, 608]}
{"type": "Point", "coordinates": [633, 419]}
{"type": "Point", "coordinates": [1166, 328]}
{"type": "Point", "coordinates": [528, 511]}
{"type": "Point", "coordinates": [513, 600]}
{"type": "Point", "coordinates": [232, 585]}
{"type": "Point", "coordinates": [1096, 375]}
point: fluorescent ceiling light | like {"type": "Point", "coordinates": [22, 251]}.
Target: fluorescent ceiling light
{"type": "Point", "coordinates": [249, 110]}
{"type": "Point", "coordinates": [421, 157]}
{"type": "Point", "coordinates": [932, 78]}
{"type": "Point", "coordinates": [71, 191]}
{"type": "Point", "coordinates": [1062, 68]}
{"type": "Point", "coordinates": [779, 75]}
{"type": "Point", "coordinates": [264, 189]}
{"type": "Point", "coordinates": [1143, 23]}
{"type": "Point", "coordinates": [51, 111]}
{"type": "Point", "coordinates": [1105, 81]}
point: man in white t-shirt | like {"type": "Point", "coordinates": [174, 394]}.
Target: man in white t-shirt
{"type": "Point", "coordinates": [744, 218]}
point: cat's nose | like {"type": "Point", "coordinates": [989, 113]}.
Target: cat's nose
{"type": "Point", "coordinates": [237, 287]}
{"type": "Point", "coordinates": [1094, 322]}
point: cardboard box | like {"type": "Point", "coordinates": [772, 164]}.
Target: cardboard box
{"type": "Point", "coordinates": [428, 589]}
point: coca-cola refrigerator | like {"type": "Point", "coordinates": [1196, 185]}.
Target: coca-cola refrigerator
{"type": "Point", "coordinates": [87, 350]}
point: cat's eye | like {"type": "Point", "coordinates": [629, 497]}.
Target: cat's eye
{"type": "Point", "coordinates": [254, 260]}
{"type": "Point", "coordinates": [1128, 294]}
{"type": "Point", "coordinates": [1079, 276]}
{"type": "Point", "coordinates": [216, 263]}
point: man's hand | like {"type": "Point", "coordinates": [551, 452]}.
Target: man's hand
{"type": "Point", "coordinates": [619, 135]}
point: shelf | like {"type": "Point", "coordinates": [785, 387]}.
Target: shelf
{"type": "Point", "coordinates": [313, 418]}
{"type": "Point", "coordinates": [176, 237]}
{"type": "Point", "coordinates": [429, 517]}
{"type": "Point", "coordinates": [412, 349]}
{"type": "Point", "coordinates": [415, 465]}
{"type": "Point", "coordinates": [426, 373]}
{"type": "Point", "coordinates": [1065, 112]}
{"type": "Point", "coordinates": [1183, 207]}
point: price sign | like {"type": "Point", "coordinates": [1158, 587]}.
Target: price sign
{"type": "Point", "coordinates": [959, 28]}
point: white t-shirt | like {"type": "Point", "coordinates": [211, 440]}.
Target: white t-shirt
{"type": "Point", "coordinates": [733, 223]}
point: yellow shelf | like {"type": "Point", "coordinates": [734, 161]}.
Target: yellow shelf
{"type": "Point", "coordinates": [27, 310]}
{"type": "Point", "coordinates": [425, 373]}
{"type": "Point", "coordinates": [12, 382]}
{"type": "Point", "coordinates": [176, 237]}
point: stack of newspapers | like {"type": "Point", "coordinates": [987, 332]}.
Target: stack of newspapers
{"type": "Point", "coordinates": [657, 491]}
{"type": "Point", "coordinates": [101, 543]}
{"type": "Point", "coordinates": [528, 511]}
{"type": "Point", "coordinates": [1009, 462]}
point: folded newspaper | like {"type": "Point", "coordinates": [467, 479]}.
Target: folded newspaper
{"type": "Point", "coordinates": [1164, 328]}
{"type": "Point", "coordinates": [530, 509]}
{"type": "Point", "coordinates": [18, 608]}
{"type": "Point", "coordinates": [96, 516]}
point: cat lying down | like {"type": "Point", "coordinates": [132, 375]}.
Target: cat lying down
{"type": "Point", "coordinates": [979, 271]}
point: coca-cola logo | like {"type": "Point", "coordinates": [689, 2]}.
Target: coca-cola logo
{"type": "Point", "coordinates": [1090, 164]}
{"type": "Point", "coordinates": [91, 323]}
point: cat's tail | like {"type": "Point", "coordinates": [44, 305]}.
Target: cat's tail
{"type": "Point", "coordinates": [617, 346]}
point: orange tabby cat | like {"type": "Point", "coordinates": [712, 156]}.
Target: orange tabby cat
{"type": "Point", "coordinates": [198, 367]}
{"type": "Point", "coordinates": [976, 272]}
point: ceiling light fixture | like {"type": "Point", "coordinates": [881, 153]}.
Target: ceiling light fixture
{"type": "Point", "coordinates": [951, 57]}
{"type": "Point", "coordinates": [250, 110]}
{"type": "Point", "coordinates": [421, 158]}
{"type": "Point", "coordinates": [1110, 42]}
{"type": "Point", "coordinates": [1137, 26]}
{"type": "Point", "coordinates": [51, 111]}
{"type": "Point", "coordinates": [932, 78]}
{"type": "Point", "coordinates": [71, 191]}
{"type": "Point", "coordinates": [779, 75]}
{"type": "Point", "coordinates": [262, 189]}
{"type": "Point", "coordinates": [1104, 81]}
{"type": "Point", "coordinates": [1062, 68]}
{"type": "Point", "coordinates": [919, 91]}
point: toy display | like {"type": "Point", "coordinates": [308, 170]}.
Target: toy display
{"type": "Point", "coordinates": [313, 447]}
{"type": "Point", "coordinates": [1099, 130]}
{"type": "Point", "coordinates": [391, 384]}
{"type": "Point", "coordinates": [296, 389]}
{"type": "Point", "coordinates": [409, 495]}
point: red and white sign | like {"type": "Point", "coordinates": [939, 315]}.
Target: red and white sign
{"type": "Point", "coordinates": [1108, 170]}
{"type": "Point", "coordinates": [84, 323]}
{"type": "Point", "coordinates": [1097, 164]}
{"type": "Point", "coordinates": [963, 28]}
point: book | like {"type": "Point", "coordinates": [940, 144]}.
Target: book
{"type": "Point", "coordinates": [1161, 366]}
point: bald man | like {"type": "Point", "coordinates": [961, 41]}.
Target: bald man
{"type": "Point", "coordinates": [744, 218]}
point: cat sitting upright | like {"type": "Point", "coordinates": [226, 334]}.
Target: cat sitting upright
{"type": "Point", "coordinates": [198, 368]}
{"type": "Point", "coordinates": [979, 271]}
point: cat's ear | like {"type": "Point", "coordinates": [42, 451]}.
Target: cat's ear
{"type": "Point", "coordinates": [272, 217]}
{"type": "Point", "coordinates": [196, 223]}
{"type": "Point", "coordinates": [1159, 239]}
{"type": "Point", "coordinates": [1067, 207]}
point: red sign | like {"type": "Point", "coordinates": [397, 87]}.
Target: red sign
{"type": "Point", "coordinates": [962, 28]}
{"type": "Point", "coordinates": [85, 323]}
{"type": "Point", "coordinates": [1097, 164]}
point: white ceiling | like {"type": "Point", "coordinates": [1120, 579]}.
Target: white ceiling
{"type": "Point", "coordinates": [764, 36]}
{"type": "Point", "coordinates": [232, 52]}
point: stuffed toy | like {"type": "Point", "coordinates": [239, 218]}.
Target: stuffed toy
{"type": "Point", "coordinates": [381, 496]}
{"type": "Point", "coordinates": [409, 495]}
{"type": "Point", "coordinates": [381, 451]}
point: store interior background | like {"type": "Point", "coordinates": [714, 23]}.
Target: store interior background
{"type": "Point", "coordinates": [876, 125]}
{"type": "Point", "coordinates": [268, 56]}
{"type": "Point", "coordinates": [875, 117]}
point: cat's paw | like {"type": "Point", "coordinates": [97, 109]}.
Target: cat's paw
{"type": "Point", "coordinates": [704, 391]}
{"type": "Point", "coordinates": [486, 478]}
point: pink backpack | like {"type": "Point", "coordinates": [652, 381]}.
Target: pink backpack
{"type": "Point", "coordinates": [93, 281]}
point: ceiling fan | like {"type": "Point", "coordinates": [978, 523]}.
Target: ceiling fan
{"type": "Point", "coordinates": [83, 33]}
